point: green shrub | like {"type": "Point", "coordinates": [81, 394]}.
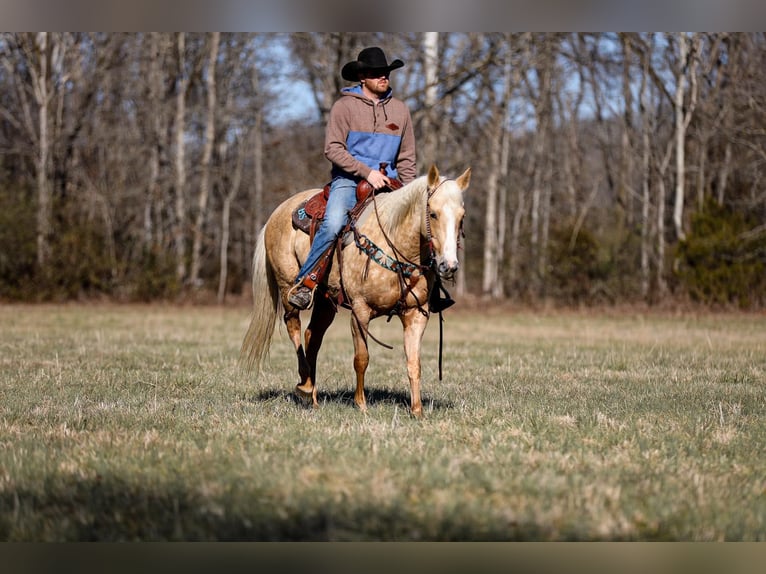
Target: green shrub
{"type": "Point", "coordinates": [155, 277]}
{"type": "Point", "coordinates": [576, 272]}
{"type": "Point", "coordinates": [723, 259]}
{"type": "Point", "coordinates": [18, 249]}
{"type": "Point", "coordinates": [80, 265]}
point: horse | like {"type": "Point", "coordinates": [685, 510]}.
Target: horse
{"type": "Point", "coordinates": [401, 247]}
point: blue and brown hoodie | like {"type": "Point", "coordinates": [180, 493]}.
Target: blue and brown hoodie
{"type": "Point", "coordinates": [362, 133]}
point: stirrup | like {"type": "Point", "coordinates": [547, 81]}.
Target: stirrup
{"type": "Point", "coordinates": [440, 298]}
{"type": "Point", "coordinates": [301, 306]}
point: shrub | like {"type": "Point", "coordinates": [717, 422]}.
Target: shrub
{"type": "Point", "coordinates": [18, 249]}
{"type": "Point", "coordinates": [576, 273]}
{"type": "Point", "coordinates": [155, 277]}
{"type": "Point", "coordinates": [723, 259]}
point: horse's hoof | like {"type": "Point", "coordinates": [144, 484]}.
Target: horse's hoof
{"type": "Point", "coordinates": [304, 389]}
{"type": "Point", "coordinates": [305, 394]}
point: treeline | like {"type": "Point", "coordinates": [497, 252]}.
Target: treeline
{"type": "Point", "coordinates": [606, 167]}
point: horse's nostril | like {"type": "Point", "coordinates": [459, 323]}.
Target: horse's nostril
{"type": "Point", "coordinates": [447, 269]}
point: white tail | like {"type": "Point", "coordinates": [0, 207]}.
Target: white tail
{"type": "Point", "coordinates": [266, 302]}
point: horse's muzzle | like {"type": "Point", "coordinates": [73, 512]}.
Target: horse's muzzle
{"type": "Point", "coordinates": [447, 270]}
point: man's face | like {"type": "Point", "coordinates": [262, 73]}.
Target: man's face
{"type": "Point", "coordinates": [376, 81]}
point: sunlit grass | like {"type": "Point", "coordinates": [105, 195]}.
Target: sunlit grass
{"type": "Point", "coordinates": [135, 423]}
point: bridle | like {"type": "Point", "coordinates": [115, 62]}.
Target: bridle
{"type": "Point", "coordinates": [429, 236]}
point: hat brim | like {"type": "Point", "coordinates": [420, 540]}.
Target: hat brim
{"type": "Point", "coordinates": [351, 70]}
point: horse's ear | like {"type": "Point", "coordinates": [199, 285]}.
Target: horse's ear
{"type": "Point", "coordinates": [464, 180]}
{"type": "Point", "coordinates": [433, 175]}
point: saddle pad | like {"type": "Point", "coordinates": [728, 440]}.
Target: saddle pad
{"type": "Point", "coordinates": [310, 212]}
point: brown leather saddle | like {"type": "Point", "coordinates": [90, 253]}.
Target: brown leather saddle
{"type": "Point", "coordinates": [309, 215]}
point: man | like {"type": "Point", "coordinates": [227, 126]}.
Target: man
{"type": "Point", "coordinates": [367, 127]}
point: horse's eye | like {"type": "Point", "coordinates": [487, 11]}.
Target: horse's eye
{"type": "Point", "coordinates": [434, 216]}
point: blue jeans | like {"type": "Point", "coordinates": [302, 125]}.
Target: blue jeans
{"type": "Point", "coordinates": [342, 200]}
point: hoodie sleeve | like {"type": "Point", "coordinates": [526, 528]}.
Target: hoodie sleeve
{"type": "Point", "coordinates": [336, 133]}
{"type": "Point", "coordinates": [406, 161]}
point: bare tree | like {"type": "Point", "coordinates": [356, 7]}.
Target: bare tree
{"type": "Point", "coordinates": [229, 194]}
{"type": "Point", "coordinates": [179, 225]}
{"type": "Point", "coordinates": [539, 84]}
{"type": "Point", "coordinates": [429, 147]}
{"type": "Point", "coordinates": [646, 224]}
{"type": "Point", "coordinates": [323, 55]}
{"type": "Point", "coordinates": [498, 137]}
{"type": "Point", "coordinates": [207, 154]}
{"type": "Point", "coordinates": [686, 64]}
{"type": "Point", "coordinates": [106, 138]}
{"type": "Point", "coordinates": [39, 55]}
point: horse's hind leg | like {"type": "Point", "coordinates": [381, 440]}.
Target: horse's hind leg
{"type": "Point", "coordinates": [321, 318]}
{"type": "Point", "coordinates": [306, 387]}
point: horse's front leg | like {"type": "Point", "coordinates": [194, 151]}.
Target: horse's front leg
{"type": "Point", "coordinates": [414, 323]}
{"type": "Point", "coordinates": [360, 321]}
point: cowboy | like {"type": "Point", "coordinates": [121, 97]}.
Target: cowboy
{"type": "Point", "coordinates": [367, 129]}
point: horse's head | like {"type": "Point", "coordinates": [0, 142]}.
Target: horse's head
{"type": "Point", "coordinates": [444, 219]}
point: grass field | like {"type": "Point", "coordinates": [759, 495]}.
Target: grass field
{"type": "Point", "coordinates": [135, 423]}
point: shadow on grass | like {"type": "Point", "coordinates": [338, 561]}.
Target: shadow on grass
{"type": "Point", "coordinates": [111, 508]}
{"type": "Point", "coordinates": [375, 397]}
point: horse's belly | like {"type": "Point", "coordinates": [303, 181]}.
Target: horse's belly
{"type": "Point", "coordinates": [381, 290]}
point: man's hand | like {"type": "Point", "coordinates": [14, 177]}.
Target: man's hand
{"type": "Point", "coordinates": [378, 180]}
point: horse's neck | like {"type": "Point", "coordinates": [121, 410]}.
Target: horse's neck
{"type": "Point", "coordinates": [401, 221]}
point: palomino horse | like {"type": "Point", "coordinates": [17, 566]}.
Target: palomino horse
{"type": "Point", "coordinates": [403, 240]}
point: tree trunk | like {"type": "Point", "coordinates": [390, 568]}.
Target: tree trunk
{"type": "Point", "coordinates": [678, 108]}
{"type": "Point", "coordinates": [179, 225]}
{"type": "Point", "coordinates": [257, 189]}
{"type": "Point", "coordinates": [429, 146]}
{"type": "Point", "coordinates": [687, 56]}
{"type": "Point", "coordinates": [625, 191]}
{"type": "Point", "coordinates": [661, 199]}
{"type": "Point", "coordinates": [40, 74]}
{"type": "Point", "coordinates": [541, 189]}
{"type": "Point", "coordinates": [645, 187]}
{"type": "Point", "coordinates": [152, 187]}
{"type": "Point", "coordinates": [207, 154]}
{"type": "Point", "coordinates": [489, 276]}
{"type": "Point", "coordinates": [229, 195]}
{"type": "Point", "coordinates": [498, 287]}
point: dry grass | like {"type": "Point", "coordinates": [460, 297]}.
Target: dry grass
{"type": "Point", "coordinates": [134, 423]}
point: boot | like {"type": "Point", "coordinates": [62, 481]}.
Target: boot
{"type": "Point", "coordinates": [300, 297]}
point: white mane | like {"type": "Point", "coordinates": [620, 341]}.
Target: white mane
{"type": "Point", "coordinates": [397, 206]}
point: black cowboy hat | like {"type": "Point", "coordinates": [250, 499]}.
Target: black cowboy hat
{"type": "Point", "coordinates": [368, 59]}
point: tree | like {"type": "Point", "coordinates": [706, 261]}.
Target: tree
{"type": "Point", "coordinates": [498, 137]}
{"type": "Point", "coordinates": [133, 163]}
{"type": "Point", "coordinates": [179, 224]}
{"type": "Point", "coordinates": [686, 64]}
{"type": "Point", "coordinates": [207, 154]}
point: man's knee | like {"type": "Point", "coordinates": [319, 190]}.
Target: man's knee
{"type": "Point", "coordinates": [335, 221]}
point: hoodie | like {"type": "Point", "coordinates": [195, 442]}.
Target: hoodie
{"type": "Point", "coordinates": [362, 133]}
